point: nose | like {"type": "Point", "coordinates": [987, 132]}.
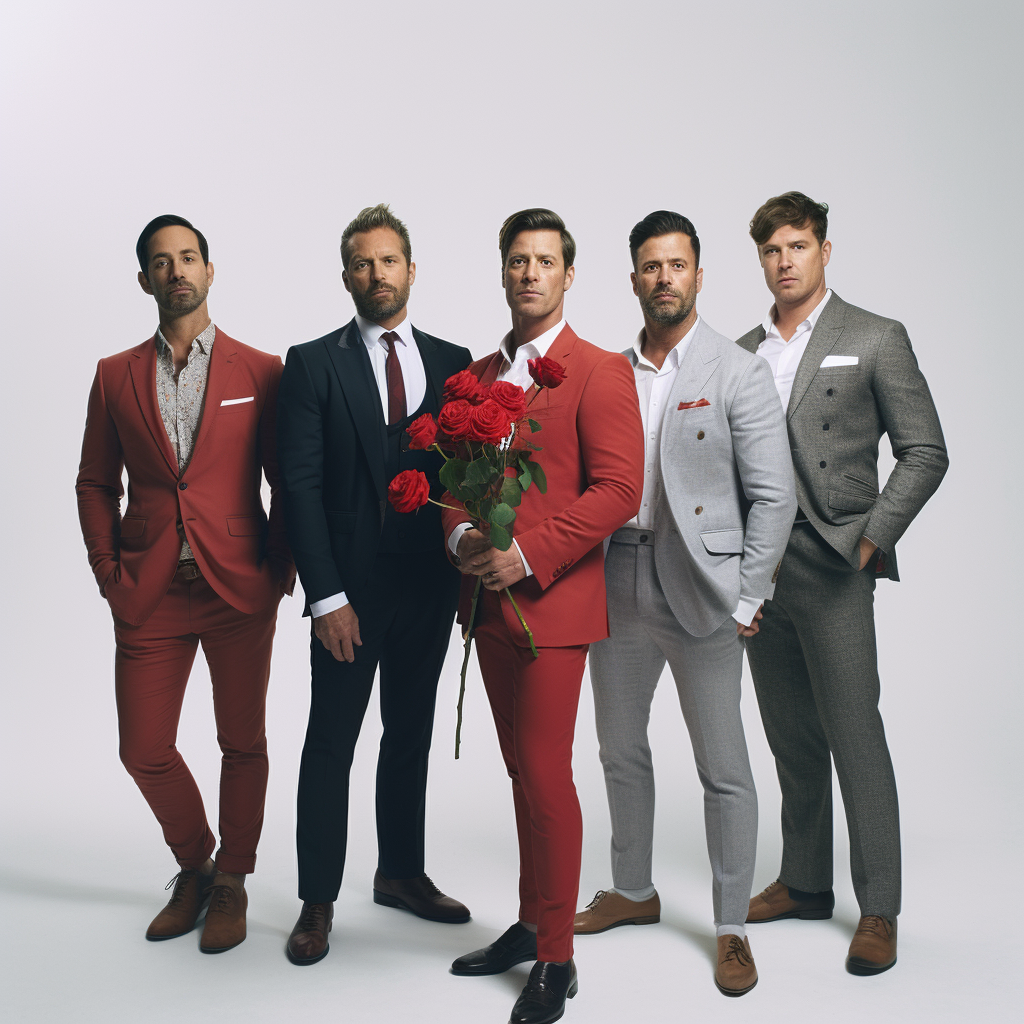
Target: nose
{"type": "Point", "coordinates": [664, 275]}
{"type": "Point", "coordinates": [531, 271]}
{"type": "Point", "coordinates": [785, 259]}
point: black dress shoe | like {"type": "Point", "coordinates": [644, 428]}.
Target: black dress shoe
{"type": "Point", "coordinates": [543, 999]}
{"type": "Point", "coordinates": [515, 946]}
{"type": "Point", "coordinates": [419, 896]}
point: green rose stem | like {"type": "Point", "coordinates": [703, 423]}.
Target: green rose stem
{"type": "Point", "coordinates": [522, 622]}
{"type": "Point", "coordinates": [465, 664]}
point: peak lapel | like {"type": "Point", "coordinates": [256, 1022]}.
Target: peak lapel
{"type": "Point", "coordinates": [699, 363]}
{"type": "Point", "coordinates": [824, 336]}
{"type": "Point", "coordinates": [223, 361]}
{"type": "Point", "coordinates": [427, 351]}
{"type": "Point", "coordinates": [143, 370]}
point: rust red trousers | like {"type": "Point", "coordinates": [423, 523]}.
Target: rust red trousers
{"type": "Point", "coordinates": [151, 668]}
{"type": "Point", "coordinates": [534, 702]}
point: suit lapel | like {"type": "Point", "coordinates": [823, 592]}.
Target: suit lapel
{"type": "Point", "coordinates": [824, 336]}
{"type": "Point", "coordinates": [355, 374]}
{"type": "Point", "coordinates": [699, 362]}
{"type": "Point", "coordinates": [562, 351]}
{"type": "Point", "coordinates": [751, 341]}
{"type": "Point", "coordinates": [223, 361]}
{"type": "Point", "coordinates": [143, 370]}
{"type": "Point", "coordinates": [428, 351]}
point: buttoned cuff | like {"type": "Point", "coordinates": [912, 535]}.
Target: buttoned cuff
{"type": "Point", "coordinates": [747, 609]}
{"type": "Point", "coordinates": [328, 604]}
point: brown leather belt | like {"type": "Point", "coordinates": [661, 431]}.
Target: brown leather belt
{"type": "Point", "coordinates": [188, 571]}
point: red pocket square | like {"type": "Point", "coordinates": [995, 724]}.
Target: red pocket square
{"type": "Point", "coordinates": [694, 405]}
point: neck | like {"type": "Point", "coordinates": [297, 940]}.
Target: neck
{"type": "Point", "coordinates": [660, 339]}
{"type": "Point", "coordinates": [181, 331]}
{"type": "Point", "coordinates": [789, 316]}
{"type": "Point", "coordinates": [526, 329]}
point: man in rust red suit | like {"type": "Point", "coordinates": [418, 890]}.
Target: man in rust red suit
{"type": "Point", "coordinates": [592, 439]}
{"type": "Point", "coordinates": [193, 560]}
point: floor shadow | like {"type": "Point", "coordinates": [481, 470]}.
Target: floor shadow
{"type": "Point", "coordinates": [41, 887]}
{"type": "Point", "coordinates": [698, 936]}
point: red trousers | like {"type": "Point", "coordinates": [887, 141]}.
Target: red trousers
{"type": "Point", "coordinates": [151, 669]}
{"type": "Point", "coordinates": [534, 702]}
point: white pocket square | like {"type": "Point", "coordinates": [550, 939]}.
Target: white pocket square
{"type": "Point", "coordinates": [839, 361]}
{"type": "Point", "coordinates": [251, 398]}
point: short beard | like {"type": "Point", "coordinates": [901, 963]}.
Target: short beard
{"type": "Point", "coordinates": [376, 310]}
{"type": "Point", "coordinates": [668, 316]}
{"type": "Point", "coordinates": [182, 305]}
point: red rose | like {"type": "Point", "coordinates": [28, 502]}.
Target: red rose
{"type": "Point", "coordinates": [546, 372]}
{"type": "Point", "coordinates": [454, 419]}
{"type": "Point", "coordinates": [510, 397]}
{"type": "Point", "coordinates": [409, 491]}
{"type": "Point", "coordinates": [422, 432]}
{"type": "Point", "coordinates": [490, 422]}
{"type": "Point", "coordinates": [463, 384]}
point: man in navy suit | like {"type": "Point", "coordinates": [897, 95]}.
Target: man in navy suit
{"type": "Point", "coordinates": [378, 585]}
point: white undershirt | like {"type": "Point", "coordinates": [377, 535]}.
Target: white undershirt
{"type": "Point", "coordinates": [784, 356]}
{"type": "Point", "coordinates": [414, 376]}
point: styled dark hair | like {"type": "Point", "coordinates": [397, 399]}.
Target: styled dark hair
{"type": "Point", "coordinates": [663, 222]}
{"type": "Point", "coordinates": [537, 219]}
{"type": "Point", "coordinates": [379, 216]}
{"type": "Point", "coordinates": [165, 221]}
{"type": "Point", "coordinates": [792, 208]}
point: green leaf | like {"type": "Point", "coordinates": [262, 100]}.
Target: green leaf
{"type": "Point", "coordinates": [501, 538]}
{"type": "Point", "coordinates": [534, 425]}
{"type": "Point", "coordinates": [539, 478]}
{"type": "Point", "coordinates": [484, 512]}
{"type": "Point", "coordinates": [511, 492]}
{"type": "Point", "coordinates": [502, 515]}
{"type": "Point", "coordinates": [452, 474]}
{"type": "Point", "coordinates": [479, 473]}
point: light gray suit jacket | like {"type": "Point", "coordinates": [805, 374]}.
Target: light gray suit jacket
{"type": "Point", "coordinates": [836, 417]}
{"type": "Point", "coordinates": [727, 500]}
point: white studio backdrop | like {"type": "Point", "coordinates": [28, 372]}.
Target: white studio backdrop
{"type": "Point", "coordinates": [270, 127]}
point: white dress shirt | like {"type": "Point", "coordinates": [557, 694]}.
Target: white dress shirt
{"type": "Point", "coordinates": [784, 356]}
{"type": "Point", "coordinates": [516, 371]}
{"type": "Point", "coordinates": [652, 390]}
{"type": "Point", "coordinates": [415, 378]}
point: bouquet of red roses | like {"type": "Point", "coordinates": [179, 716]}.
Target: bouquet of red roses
{"type": "Point", "coordinates": [483, 432]}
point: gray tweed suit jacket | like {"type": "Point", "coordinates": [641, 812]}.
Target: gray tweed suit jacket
{"type": "Point", "coordinates": [727, 480]}
{"type": "Point", "coordinates": [837, 414]}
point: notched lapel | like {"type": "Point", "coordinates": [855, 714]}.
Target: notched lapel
{"type": "Point", "coordinates": [223, 362]}
{"type": "Point", "coordinates": [355, 375]}
{"type": "Point", "coordinates": [142, 367]}
{"type": "Point", "coordinates": [822, 340]}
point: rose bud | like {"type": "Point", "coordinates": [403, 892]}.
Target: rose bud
{"type": "Point", "coordinates": [422, 432]}
{"type": "Point", "coordinates": [409, 491]}
{"type": "Point", "coordinates": [547, 373]}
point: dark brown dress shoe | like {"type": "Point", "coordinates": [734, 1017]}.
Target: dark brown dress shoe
{"type": "Point", "coordinates": [873, 949]}
{"type": "Point", "coordinates": [419, 896]}
{"type": "Point", "coordinates": [736, 974]}
{"type": "Point", "coordinates": [191, 891]}
{"type": "Point", "coordinates": [609, 909]}
{"type": "Point", "coordinates": [542, 1001]}
{"type": "Point", "coordinates": [778, 902]}
{"type": "Point", "coordinates": [225, 917]}
{"type": "Point", "coordinates": [308, 943]}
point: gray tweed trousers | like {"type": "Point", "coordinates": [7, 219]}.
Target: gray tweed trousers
{"type": "Point", "coordinates": [815, 672]}
{"type": "Point", "coordinates": [624, 670]}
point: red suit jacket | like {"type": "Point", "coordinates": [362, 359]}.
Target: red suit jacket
{"type": "Point", "coordinates": [134, 557]}
{"type": "Point", "coordinates": [593, 457]}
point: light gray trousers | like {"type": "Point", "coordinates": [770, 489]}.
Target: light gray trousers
{"type": "Point", "coordinates": [624, 670]}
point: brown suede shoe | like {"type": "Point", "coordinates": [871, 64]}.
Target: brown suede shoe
{"type": "Point", "coordinates": [308, 943]}
{"type": "Point", "coordinates": [775, 903]}
{"type": "Point", "coordinates": [419, 896]}
{"type": "Point", "coordinates": [225, 917]}
{"type": "Point", "coordinates": [609, 909]}
{"type": "Point", "coordinates": [191, 891]}
{"type": "Point", "coordinates": [873, 949]}
{"type": "Point", "coordinates": [736, 973]}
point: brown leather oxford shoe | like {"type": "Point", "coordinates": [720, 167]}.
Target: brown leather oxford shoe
{"type": "Point", "coordinates": [419, 896]}
{"type": "Point", "coordinates": [777, 903]}
{"type": "Point", "coordinates": [191, 891]}
{"type": "Point", "coordinates": [873, 948]}
{"type": "Point", "coordinates": [308, 943]}
{"type": "Point", "coordinates": [225, 917]}
{"type": "Point", "coordinates": [610, 909]}
{"type": "Point", "coordinates": [735, 974]}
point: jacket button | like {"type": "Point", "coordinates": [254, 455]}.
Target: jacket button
{"type": "Point", "coordinates": [823, 464]}
{"type": "Point", "coordinates": [700, 435]}
{"type": "Point", "coordinates": [829, 392]}
{"type": "Point", "coordinates": [643, 538]}
{"type": "Point", "coordinates": [824, 426]}
{"type": "Point", "coordinates": [698, 510]}
{"type": "Point", "coordinates": [183, 486]}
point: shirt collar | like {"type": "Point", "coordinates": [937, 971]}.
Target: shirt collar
{"type": "Point", "coordinates": [672, 360]}
{"type": "Point", "coordinates": [812, 318]}
{"type": "Point", "coordinates": [371, 333]}
{"type": "Point", "coordinates": [532, 349]}
{"type": "Point", "coordinates": [204, 340]}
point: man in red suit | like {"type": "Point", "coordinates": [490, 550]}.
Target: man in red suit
{"type": "Point", "coordinates": [592, 439]}
{"type": "Point", "coordinates": [193, 560]}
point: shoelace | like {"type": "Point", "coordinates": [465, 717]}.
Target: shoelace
{"type": "Point", "coordinates": [221, 899]}
{"type": "Point", "coordinates": [737, 951]}
{"type": "Point", "coordinates": [432, 889]}
{"type": "Point", "coordinates": [181, 878]}
{"type": "Point", "coordinates": [598, 896]}
{"type": "Point", "coordinates": [313, 917]}
{"type": "Point", "coordinates": [770, 889]}
{"type": "Point", "coordinates": [874, 925]}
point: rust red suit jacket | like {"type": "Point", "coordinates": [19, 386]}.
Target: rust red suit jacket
{"type": "Point", "coordinates": [593, 457]}
{"type": "Point", "coordinates": [134, 557]}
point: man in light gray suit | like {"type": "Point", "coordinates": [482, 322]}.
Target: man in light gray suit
{"type": "Point", "coordinates": [845, 377]}
{"type": "Point", "coordinates": [686, 579]}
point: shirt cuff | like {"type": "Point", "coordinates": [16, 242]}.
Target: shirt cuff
{"type": "Point", "coordinates": [328, 604]}
{"type": "Point", "coordinates": [526, 564]}
{"type": "Point", "coordinates": [456, 536]}
{"type": "Point", "coordinates": [747, 609]}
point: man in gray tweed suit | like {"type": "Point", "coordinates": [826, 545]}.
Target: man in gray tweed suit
{"type": "Point", "coordinates": [845, 377]}
{"type": "Point", "coordinates": [685, 579]}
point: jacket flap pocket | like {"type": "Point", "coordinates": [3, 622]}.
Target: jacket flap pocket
{"type": "Point", "coordinates": [844, 501]}
{"type": "Point", "coordinates": [132, 526]}
{"type": "Point", "coordinates": [341, 522]}
{"type": "Point", "coordinates": [723, 542]}
{"type": "Point", "coordinates": [245, 526]}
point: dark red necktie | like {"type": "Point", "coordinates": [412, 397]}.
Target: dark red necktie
{"type": "Point", "coordinates": [396, 383]}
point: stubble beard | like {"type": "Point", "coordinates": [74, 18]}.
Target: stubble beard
{"type": "Point", "coordinates": [668, 316]}
{"type": "Point", "coordinates": [182, 305]}
{"type": "Point", "coordinates": [384, 308]}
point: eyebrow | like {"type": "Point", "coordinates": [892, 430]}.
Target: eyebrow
{"type": "Point", "coordinates": [539, 255]}
{"type": "Point", "coordinates": [182, 252]}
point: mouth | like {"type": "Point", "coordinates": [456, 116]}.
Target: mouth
{"type": "Point", "coordinates": [787, 280]}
